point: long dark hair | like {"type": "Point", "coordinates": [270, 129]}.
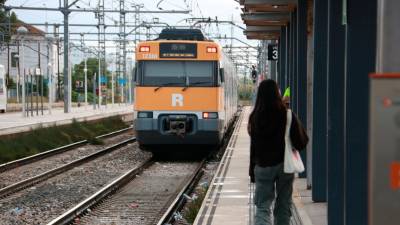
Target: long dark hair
{"type": "Point", "coordinates": [269, 112]}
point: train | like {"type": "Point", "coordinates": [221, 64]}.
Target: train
{"type": "Point", "coordinates": [186, 90]}
{"type": "Point", "coordinates": [3, 90]}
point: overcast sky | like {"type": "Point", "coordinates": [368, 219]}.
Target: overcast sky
{"type": "Point", "coordinates": [223, 9]}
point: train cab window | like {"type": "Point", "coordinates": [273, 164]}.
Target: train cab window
{"type": "Point", "coordinates": [178, 73]}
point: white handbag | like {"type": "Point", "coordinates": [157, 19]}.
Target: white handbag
{"type": "Point", "coordinates": [292, 162]}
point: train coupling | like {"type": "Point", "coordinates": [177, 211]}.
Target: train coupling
{"type": "Point", "coordinates": [179, 125]}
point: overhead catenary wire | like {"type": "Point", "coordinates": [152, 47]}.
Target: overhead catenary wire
{"type": "Point", "coordinates": [112, 25]}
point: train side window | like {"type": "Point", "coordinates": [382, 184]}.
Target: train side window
{"type": "Point", "coordinates": [222, 74]}
{"type": "Point", "coordinates": [139, 72]}
{"type": "Point", "coordinates": [135, 73]}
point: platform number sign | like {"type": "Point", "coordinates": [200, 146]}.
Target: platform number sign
{"type": "Point", "coordinates": [272, 52]}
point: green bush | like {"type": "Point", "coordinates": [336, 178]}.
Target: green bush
{"type": "Point", "coordinates": [75, 94]}
{"type": "Point", "coordinates": [18, 146]}
{"type": "Point", "coordinates": [245, 92]}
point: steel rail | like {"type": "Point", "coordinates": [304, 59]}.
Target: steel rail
{"type": "Point", "coordinates": [82, 207]}
{"type": "Point", "coordinates": [34, 158]}
{"type": "Point", "coordinates": [51, 173]}
{"type": "Point", "coordinates": [178, 203]}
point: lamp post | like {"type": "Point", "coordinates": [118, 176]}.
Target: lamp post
{"type": "Point", "coordinates": [22, 31]}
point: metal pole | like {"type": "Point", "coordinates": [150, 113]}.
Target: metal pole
{"type": "Point", "coordinates": [230, 50]}
{"type": "Point", "coordinates": [23, 79]}
{"type": "Point", "coordinates": [112, 88]}
{"type": "Point", "coordinates": [130, 82]}
{"type": "Point", "coordinates": [85, 70]}
{"type": "Point", "coordinates": [37, 94]}
{"type": "Point", "coordinates": [69, 79]}
{"type": "Point", "coordinates": [18, 71]}
{"type": "Point", "coordinates": [41, 83]}
{"type": "Point", "coordinates": [58, 71]}
{"type": "Point", "coordinates": [94, 90]}
{"type": "Point", "coordinates": [31, 93]}
{"type": "Point", "coordinates": [99, 82]}
{"type": "Point", "coordinates": [37, 80]}
{"type": "Point", "coordinates": [67, 106]}
{"type": "Point", "coordinates": [122, 90]}
{"type": "Point", "coordinates": [49, 77]}
{"type": "Point", "coordinates": [25, 95]}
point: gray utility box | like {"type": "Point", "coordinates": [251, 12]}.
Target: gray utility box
{"type": "Point", "coordinates": [384, 150]}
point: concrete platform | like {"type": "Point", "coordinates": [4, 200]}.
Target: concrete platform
{"type": "Point", "coordinates": [311, 213]}
{"type": "Point", "coordinates": [229, 199]}
{"type": "Point", "coordinates": [11, 123]}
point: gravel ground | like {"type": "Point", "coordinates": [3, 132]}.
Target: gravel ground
{"type": "Point", "coordinates": [51, 198]}
{"type": "Point", "coordinates": [144, 199]}
{"type": "Point", "coordinates": [32, 169]}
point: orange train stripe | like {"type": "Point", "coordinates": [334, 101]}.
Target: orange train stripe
{"type": "Point", "coordinates": [176, 99]}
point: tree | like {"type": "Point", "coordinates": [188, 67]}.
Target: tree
{"type": "Point", "coordinates": [92, 67]}
{"type": "Point", "coordinates": [5, 30]}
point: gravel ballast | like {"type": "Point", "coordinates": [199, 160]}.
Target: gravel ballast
{"type": "Point", "coordinates": [49, 199]}
{"type": "Point", "coordinates": [144, 200]}
{"type": "Point", "coordinates": [32, 169]}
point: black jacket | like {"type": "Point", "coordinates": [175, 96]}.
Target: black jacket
{"type": "Point", "coordinates": [267, 149]}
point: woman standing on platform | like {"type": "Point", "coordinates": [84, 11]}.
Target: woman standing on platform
{"type": "Point", "coordinates": [267, 125]}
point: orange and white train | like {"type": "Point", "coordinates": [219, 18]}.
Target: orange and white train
{"type": "Point", "coordinates": [186, 90]}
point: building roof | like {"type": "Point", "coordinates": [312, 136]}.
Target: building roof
{"type": "Point", "coordinates": [34, 31]}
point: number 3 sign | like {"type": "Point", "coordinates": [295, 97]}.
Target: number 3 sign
{"type": "Point", "coordinates": [272, 52]}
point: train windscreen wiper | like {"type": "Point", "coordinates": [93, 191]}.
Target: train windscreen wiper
{"type": "Point", "coordinates": [195, 83]}
{"type": "Point", "coordinates": [166, 84]}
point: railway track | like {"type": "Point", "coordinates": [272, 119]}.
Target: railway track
{"type": "Point", "coordinates": [30, 159]}
{"type": "Point", "coordinates": [45, 201]}
{"type": "Point", "coordinates": [42, 164]}
{"type": "Point", "coordinates": [133, 190]}
{"type": "Point", "coordinates": [51, 173]}
{"type": "Point", "coordinates": [149, 197]}
{"type": "Point", "coordinates": [149, 194]}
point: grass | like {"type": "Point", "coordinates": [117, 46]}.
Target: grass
{"type": "Point", "coordinates": [42, 139]}
{"type": "Point", "coordinates": [192, 207]}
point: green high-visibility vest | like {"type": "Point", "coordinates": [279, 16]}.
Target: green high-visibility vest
{"type": "Point", "coordinates": [287, 92]}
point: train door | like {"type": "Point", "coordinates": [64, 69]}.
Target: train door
{"type": "Point", "coordinates": [3, 90]}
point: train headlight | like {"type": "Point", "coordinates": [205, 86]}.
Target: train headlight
{"type": "Point", "coordinates": [212, 50]}
{"type": "Point", "coordinates": [210, 115]}
{"type": "Point", "coordinates": [144, 49]}
{"type": "Point", "coordinates": [145, 114]}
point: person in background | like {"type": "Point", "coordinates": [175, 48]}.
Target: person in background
{"type": "Point", "coordinates": [286, 97]}
{"type": "Point", "coordinates": [266, 127]}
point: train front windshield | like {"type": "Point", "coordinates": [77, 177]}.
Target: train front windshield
{"type": "Point", "coordinates": [178, 73]}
